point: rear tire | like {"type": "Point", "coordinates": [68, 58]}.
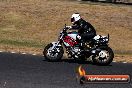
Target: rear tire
{"type": "Point", "coordinates": [101, 61]}
{"type": "Point", "coordinates": [53, 59]}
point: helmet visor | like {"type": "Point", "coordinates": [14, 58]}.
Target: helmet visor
{"type": "Point", "coordinates": [72, 19]}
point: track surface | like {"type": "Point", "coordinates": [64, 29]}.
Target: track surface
{"type": "Point", "coordinates": [28, 71]}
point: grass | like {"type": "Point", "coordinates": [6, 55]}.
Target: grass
{"type": "Point", "coordinates": [28, 25]}
{"type": "Point", "coordinates": [21, 43]}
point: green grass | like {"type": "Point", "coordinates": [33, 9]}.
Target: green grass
{"type": "Point", "coordinates": [22, 43]}
{"type": "Point", "coordinates": [123, 52]}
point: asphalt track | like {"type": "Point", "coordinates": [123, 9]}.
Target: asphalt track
{"type": "Point", "coordinates": [29, 71]}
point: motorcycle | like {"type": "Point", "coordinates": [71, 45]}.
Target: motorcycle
{"type": "Point", "coordinates": [96, 50]}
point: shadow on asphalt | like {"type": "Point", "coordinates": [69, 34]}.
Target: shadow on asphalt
{"type": "Point", "coordinates": [75, 61]}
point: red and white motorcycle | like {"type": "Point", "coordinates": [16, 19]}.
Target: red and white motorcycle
{"type": "Point", "coordinates": [96, 50]}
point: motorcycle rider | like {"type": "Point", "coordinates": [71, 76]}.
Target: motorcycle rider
{"type": "Point", "coordinates": [85, 30]}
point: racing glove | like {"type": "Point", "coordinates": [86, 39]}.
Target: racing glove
{"type": "Point", "coordinates": [68, 27]}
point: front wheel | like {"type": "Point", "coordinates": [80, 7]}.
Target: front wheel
{"type": "Point", "coordinates": [53, 53]}
{"type": "Point", "coordinates": [104, 57]}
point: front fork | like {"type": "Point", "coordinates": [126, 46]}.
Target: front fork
{"type": "Point", "coordinates": [56, 45]}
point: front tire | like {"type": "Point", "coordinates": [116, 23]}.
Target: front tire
{"type": "Point", "coordinates": [104, 57]}
{"type": "Point", "coordinates": [53, 56]}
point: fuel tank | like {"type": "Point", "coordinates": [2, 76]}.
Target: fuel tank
{"type": "Point", "coordinates": [73, 35]}
{"type": "Point", "coordinates": [70, 39]}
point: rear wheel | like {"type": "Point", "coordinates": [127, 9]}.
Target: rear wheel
{"type": "Point", "coordinates": [53, 54]}
{"type": "Point", "coordinates": [104, 57]}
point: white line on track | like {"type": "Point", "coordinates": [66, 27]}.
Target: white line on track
{"type": "Point", "coordinates": [43, 55]}
{"type": "Point", "coordinates": [23, 53]}
{"type": "Point", "coordinates": [34, 54]}
{"type": "Point", "coordinates": [13, 52]}
{"type": "Point", "coordinates": [113, 61]}
{"type": "Point", "coordinates": [124, 62]}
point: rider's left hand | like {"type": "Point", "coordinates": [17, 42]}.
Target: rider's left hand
{"type": "Point", "coordinates": [69, 27]}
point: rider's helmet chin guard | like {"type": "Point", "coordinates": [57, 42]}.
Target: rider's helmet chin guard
{"type": "Point", "coordinates": [75, 17]}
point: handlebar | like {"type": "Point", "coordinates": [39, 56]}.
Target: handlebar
{"type": "Point", "coordinates": [65, 28]}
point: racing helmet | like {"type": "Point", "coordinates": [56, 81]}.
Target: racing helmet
{"type": "Point", "coordinates": [75, 17]}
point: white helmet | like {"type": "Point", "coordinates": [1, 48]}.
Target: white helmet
{"type": "Point", "coordinates": [75, 17]}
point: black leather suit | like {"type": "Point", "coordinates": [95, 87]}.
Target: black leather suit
{"type": "Point", "coordinates": [85, 29]}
